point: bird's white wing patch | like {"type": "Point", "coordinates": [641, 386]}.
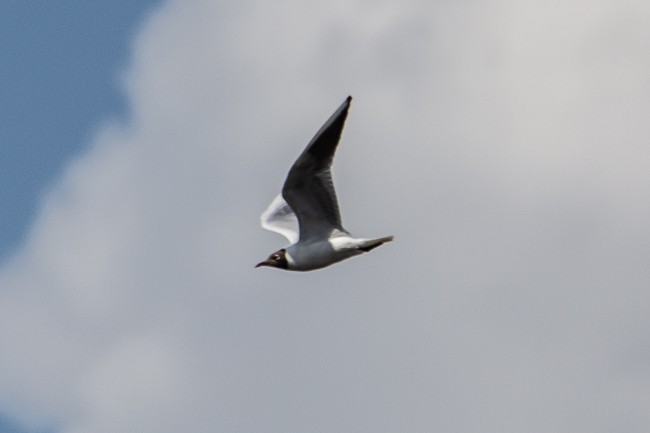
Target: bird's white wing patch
{"type": "Point", "coordinates": [279, 218]}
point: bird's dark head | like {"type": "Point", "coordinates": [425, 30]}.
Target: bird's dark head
{"type": "Point", "coordinates": [276, 260]}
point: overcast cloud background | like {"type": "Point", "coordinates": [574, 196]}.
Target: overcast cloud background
{"type": "Point", "coordinates": [504, 144]}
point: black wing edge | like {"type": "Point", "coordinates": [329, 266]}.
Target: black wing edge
{"type": "Point", "coordinates": [320, 150]}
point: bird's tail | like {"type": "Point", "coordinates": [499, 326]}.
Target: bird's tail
{"type": "Point", "coordinates": [371, 244]}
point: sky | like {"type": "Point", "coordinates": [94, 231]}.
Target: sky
{"type": "Point", "coordinates": [59, 78]}
{"type": "Point", "coordinates": [60, 73]}
{"type": "Point", "coordinates": [504, 144]}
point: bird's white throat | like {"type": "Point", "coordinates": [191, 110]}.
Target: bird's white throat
{"type": "Point", "coordinates": [290, 261]}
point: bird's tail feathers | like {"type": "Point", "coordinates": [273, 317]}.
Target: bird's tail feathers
{"type": "Point", "coordinates": [371, 244]}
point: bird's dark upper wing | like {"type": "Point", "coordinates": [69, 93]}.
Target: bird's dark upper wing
{"type": "Point", "coordinates": [309, 189]}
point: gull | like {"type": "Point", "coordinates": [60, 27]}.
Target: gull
{"type": "Point", "coordinates": [307, 212]}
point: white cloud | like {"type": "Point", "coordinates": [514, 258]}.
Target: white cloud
{"type": "Point", "coordinates": [505, 145]}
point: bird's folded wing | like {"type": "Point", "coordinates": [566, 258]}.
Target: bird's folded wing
{"type": "Point", "coordinates": [279, 218]}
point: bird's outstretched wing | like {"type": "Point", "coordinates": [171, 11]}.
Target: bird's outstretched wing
{"type": "Point", "coordinates": [279, 218]}
{"type": "Point", "coordinates": [309, 189]}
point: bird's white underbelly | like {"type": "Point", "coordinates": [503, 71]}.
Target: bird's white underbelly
{"type": "Point", "coordinates": [321, 254]}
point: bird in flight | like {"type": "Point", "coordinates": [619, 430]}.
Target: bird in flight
{"type": "Point", "coordinates": [307, 212]}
